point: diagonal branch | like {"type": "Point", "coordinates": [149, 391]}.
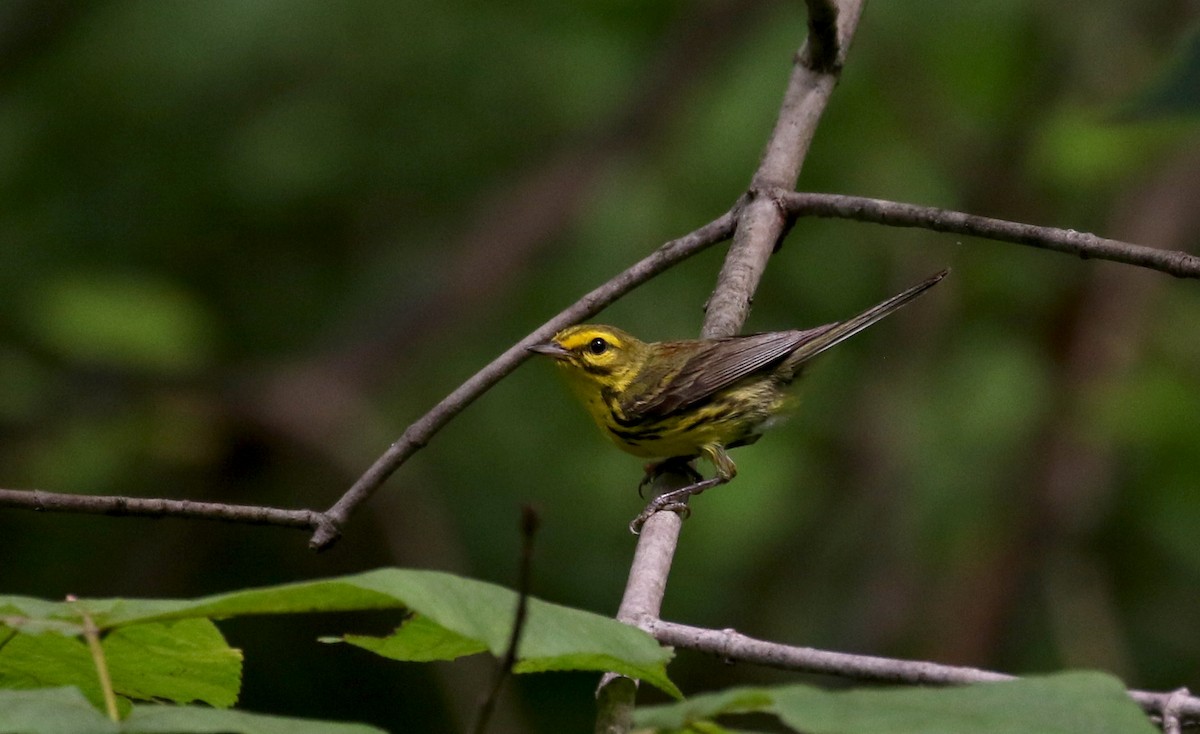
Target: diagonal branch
{"type": "Point", "coordinates": [418, 434]}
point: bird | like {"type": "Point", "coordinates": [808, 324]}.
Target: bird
{"type": "Point", "coordinates": [678, 400]}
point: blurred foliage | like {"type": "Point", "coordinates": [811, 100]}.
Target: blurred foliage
{"type": "Point", "coordinates": [246, 243]}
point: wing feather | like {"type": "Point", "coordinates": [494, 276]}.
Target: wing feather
{"type": "Point", "coordinates": [721, 363]}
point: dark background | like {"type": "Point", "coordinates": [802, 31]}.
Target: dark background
{"type": "Point", "coordinates": [244, 244]}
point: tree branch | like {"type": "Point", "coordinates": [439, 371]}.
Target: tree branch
{"type": "Point", "coordinates": [896, 214]}
{"type": "Point", "coordinates": [728, 306]}
{"type": "Point", "coordinates": [327, 525]}
{"type": "Point", "coordinates": [733, 646]}
{"type": "Point", "coordinates": [149, 507]}
{"type": "Point", "coordinates": [760, 226]}
{"type": "Point", "coordinates": [419, 433]}
{"type": "Point", "coordinates": [762, 223]}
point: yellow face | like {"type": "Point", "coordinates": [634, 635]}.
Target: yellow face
{"type": "Point", "coordinates": [600, 353]}
{"type": "Point", "coordinates": [597, 360]}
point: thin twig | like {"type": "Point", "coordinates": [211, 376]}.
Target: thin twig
{"type": "Point", "coordinates": [733, 646]}
{"type": "Point", "coordinates": [39, 501]}
{"type": "Point", "coordinates": [529, 528]}
{"type": "Point", "coordinates": [896, 214]}
{"type": "Point", "coordinates": [91, 633]}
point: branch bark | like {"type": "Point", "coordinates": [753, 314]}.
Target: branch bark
{"type": "Point", "coordinates": [896, 214]}
{"type": "Point", "coordinates": [150, 507]}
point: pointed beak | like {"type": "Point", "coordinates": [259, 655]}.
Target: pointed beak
{"type": "Point", "coordinates": [550, 349]}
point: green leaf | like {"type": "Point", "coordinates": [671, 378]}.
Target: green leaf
{"type": "Point", "coordinates": [49, 661]}
{"type": "Point", "coordinates": [183, 661]}
{"type": "Point", "coordinates": [51, 711]}
{"type": "Point", "coordinates": [1067, 703]}
{"type": "Point", "coordinates": [66, 711]}
{"type": "Point", "coordinates": [462, 616]}
{"type": "Point", "coordinates": [195, 719]}
{"type": "Point", "coordinates": [554, 638]}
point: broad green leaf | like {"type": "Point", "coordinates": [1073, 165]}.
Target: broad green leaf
{"type": "Point", "coordinates": [66, 711]}
{"type": "Point", "coordinates": [50, 661]}
{"type": "Point", "coordinates": [51, 711]}
{"type": "Point", "coordinates": [148, 719]}
{"type": "Point", "coordinates": [1068, 703]}
{"type": "Point", "coordinates": [182, 661]}
{"type": "Point", "coordinates": [555, 638]}
{"type": "Point", "coordinates": [462, 615]}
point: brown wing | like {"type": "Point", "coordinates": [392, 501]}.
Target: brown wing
{"type": "Point", "coordinates": [722, 362]}
{"type": "Point", "coordinates": [717, 365]}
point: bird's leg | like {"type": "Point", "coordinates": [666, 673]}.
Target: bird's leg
{"type": "Point", "coordinates": [676, 464]}
{"type": "Point", "coordinates": [676, 499]}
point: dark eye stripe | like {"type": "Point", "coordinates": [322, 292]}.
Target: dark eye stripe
{"type": "Point", "coordinates": [595, 369]}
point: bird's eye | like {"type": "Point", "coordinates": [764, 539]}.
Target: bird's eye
{"type": "Point", "coordinates": [598, 346]}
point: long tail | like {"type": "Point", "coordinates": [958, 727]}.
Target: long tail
{"type": "Point", "coordinates": [825, 337]}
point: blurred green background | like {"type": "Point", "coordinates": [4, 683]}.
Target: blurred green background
{"type": "Point", "coordinates": [246, 242]}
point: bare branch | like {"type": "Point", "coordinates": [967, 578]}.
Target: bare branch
{"type": "Point", "coordinates": [760, 225]}
{"type": "Point", "coordinates": [733, 646]}
{"type": "Point", "coordinates": [150, 507]}
{"type": "Point", "coordinates": [747, 265]}
{"type": "Point", "coordinates": [327, 525]}
{"type": "Point", "coordinates": [1082, 244]}
{"type": "Point", "coordinates": [419, 433]}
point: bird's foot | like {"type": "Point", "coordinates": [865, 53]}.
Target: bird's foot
{"type": "Point", "coordinates": [673, 501]}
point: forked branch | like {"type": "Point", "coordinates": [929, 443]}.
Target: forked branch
{"type": "Point", "coordinates": [793, 205]}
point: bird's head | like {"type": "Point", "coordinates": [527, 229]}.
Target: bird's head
{"type": "Point", "coordinates": [604, 355]}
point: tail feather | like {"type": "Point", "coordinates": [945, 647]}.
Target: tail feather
{"type": "Point", "coordinates": [833, 334]}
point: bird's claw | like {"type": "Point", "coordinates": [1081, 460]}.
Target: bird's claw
{"type": "Point", "coordinates": [679, 508]}
{"type": "Point", "coordinates": [675, 501]}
